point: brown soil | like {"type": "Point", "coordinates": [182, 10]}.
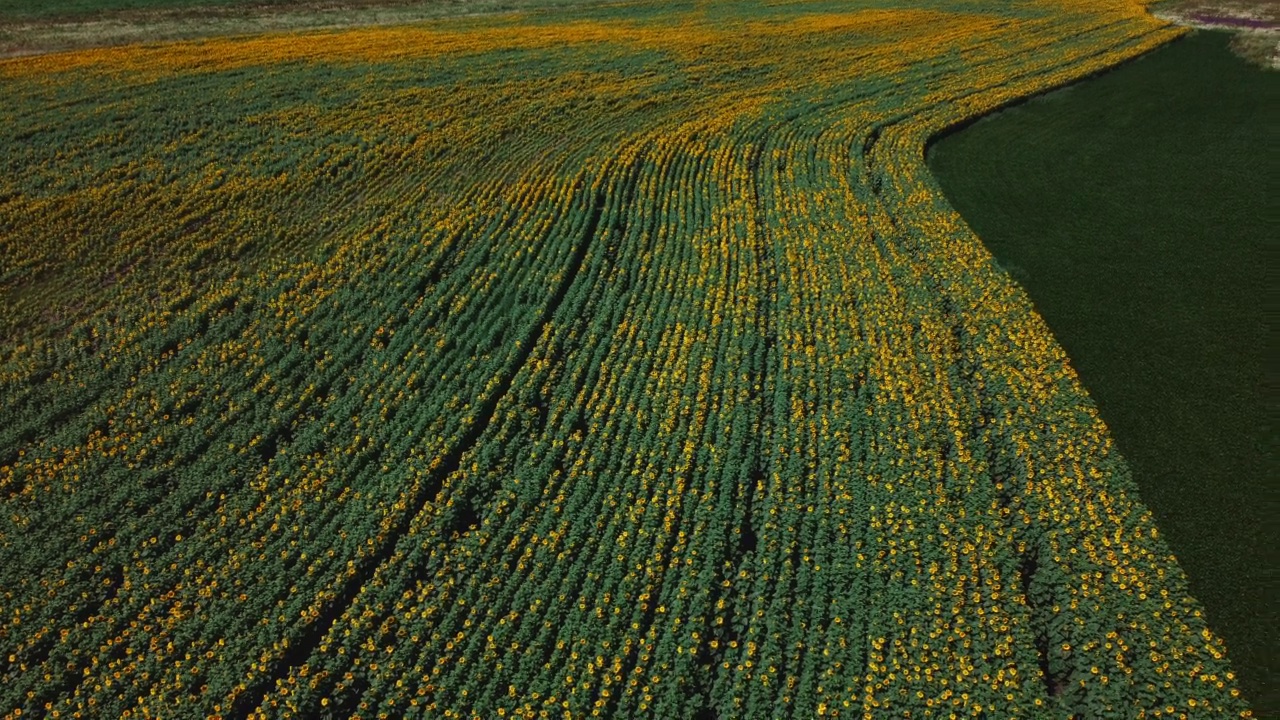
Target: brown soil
{"type": "Point", "coordinates": [1256, 24]}
{"type": "Point", "coordinates": [45, 35]}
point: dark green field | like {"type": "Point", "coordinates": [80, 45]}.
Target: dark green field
{"type": "Point", "coordinates": [1139, 210]}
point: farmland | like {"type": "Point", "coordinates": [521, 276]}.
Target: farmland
{"type": "Point", "coordinates": [623, 360]}
{"type": "Point", "coordinates": [1160, 301]}
{"type": "Point", "coordinates": [29, 27]}
{"type": "Point", "coordinates": [34, 9]}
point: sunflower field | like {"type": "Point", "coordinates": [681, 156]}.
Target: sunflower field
{"type": "Point", "coordinates": [614, 361]}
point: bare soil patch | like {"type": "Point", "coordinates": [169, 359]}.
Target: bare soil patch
{"type": "Point", "coordinates": [1255, 24]}
{"type": "Point", "coordinates": [35, 36]}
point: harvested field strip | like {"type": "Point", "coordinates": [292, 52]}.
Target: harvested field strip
{"type": "Point", "coordinates": [1161, 301]}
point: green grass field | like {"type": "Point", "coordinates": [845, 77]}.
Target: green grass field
{"type": "Point", "coordinates": [1139, 210]}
